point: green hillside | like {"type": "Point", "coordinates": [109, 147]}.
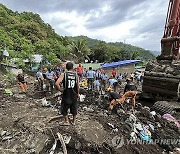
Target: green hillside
{"type": "Point", "coordinates": [125, 51]}
{"type": "Point", "coordinates": [24, 34]}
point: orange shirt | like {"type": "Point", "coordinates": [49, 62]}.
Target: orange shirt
{"type": "Point", "coordinates": [79, 69]}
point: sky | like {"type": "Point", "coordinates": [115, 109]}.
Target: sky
{"type": "Point", "coordinates": [137, 22]}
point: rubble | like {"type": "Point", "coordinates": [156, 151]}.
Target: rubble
{"type": "Point", "coordinates": [28, 127]}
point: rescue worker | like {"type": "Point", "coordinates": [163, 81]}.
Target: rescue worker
{"type": "Point", "coordinates": [97, 85]}
{"type": "Point", "coordinates": [50, 80]}
{"type": "Point", "coordinates": [90, 78]}
{"type": "Point", "coordinates": [39, 77]}
{"type": "Point", "coordinates": [113, 73]}
{"type": "Point", "coordinates": [21, 81]}
{"type": "Point", "coordinates": [80, 71]}
{"type": "Point", "coordinates": [104, 78]}
{"type": "Point", "coordinates": [130, 91]}
{"type": "Point", "coordinates": [113, 83]}
{"type": "Point", "coordinates": [70, 92]}
{"type": "Point", "coordinates": [119, 78]}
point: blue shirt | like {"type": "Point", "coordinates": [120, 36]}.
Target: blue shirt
{"type": "Point", "coordinates": [58, 70]}
{"type": "Point", "coordinates": [104, 76]}
{"type": "Point", "coordinates": [39, 75]}
{"type": "Point", "coordinates": [112, 81]}
{"type": "Point", "coordinates": [50, 75]}
{"type": "Point", "coordinates": [90, 74]}
{"type": "Point", "coordinates": [96, 84]}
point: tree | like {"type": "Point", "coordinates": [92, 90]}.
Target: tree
{"type": "Point", "coordinates": [79, 50]}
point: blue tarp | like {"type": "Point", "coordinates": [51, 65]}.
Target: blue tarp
{"type": "Point", "coordinates": [120, 63]}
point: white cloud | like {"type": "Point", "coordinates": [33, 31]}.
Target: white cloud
{"type": "Point", "coordinates": [139, 22]}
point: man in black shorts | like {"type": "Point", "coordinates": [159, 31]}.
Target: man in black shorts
{"type": "Point", "coordinates": [70, 91]}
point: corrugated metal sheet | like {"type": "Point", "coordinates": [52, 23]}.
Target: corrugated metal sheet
{"type": "Point", "coordinates": [120, 63]}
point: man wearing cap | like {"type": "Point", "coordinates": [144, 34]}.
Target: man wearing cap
{"type": "Point", "coordinates": [70, 90]}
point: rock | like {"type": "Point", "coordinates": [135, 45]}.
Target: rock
{"type": "Point", "coordinates": [146, 112]}
{"type": "Point", "coordinates": [19, 96]}
{"type": "Point", "coordinates": [3, 133]}
{"type": "Point", "coordinates": [88, 109]}
{"type": "Point", "coordinates": [120, 111]}
{"type": "Point", "coordinates": [41, 143]}
{"type": "Point", "coordinates": [77, 145]}
{"type": "Point", "coordinates": [7, 138]}
{"type": "Point", "coordinates": [74, 144]}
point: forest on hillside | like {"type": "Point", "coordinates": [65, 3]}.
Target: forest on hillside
{"type": "Point", "coordinates": [24, 34]}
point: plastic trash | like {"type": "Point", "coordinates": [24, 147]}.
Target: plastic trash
{"type": "Point", "coordinates": [67, 139]}
{"type": "Point", "coordinates": [153, 113]}
{"type": "Point", "coordinates": [115, 130]}
{"type": "Point", "coordinates": [52, 150]}
{"type": "Point", "coordinates": [8, 91]}
{"type": "Point", "coordinates": [138, 126]}
{"type": "Point", "coordinates": [57, 94]}
{"type": "Point", "coordinates": [45, 102]}
{"type": "Point", "coordinates": [151, 127]}
{"type": "Point", "coordinates": [111, 125]}
{"type": "Point", "coordinates": [132, 118]}
{"type": "Point", "coordinates": [145, 134]}
{"type": "Point", "coordinates": [82, 97]}
{"type": "Point", "coordinates": [133, 136]}
{"type": "Point", "coordinates": [171, 118]}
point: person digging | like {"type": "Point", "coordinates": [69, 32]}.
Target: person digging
{"type": "Point", "coordinates": [130, 91]}
{"type": "Point", "coordinates": [70, 90]}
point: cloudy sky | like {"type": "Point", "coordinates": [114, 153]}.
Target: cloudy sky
{"type": "Point", "coordinates": [137, 22]}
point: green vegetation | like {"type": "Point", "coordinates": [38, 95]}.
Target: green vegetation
{"type": "Point", "coordinates": [25, 34]}
{"type": "Point", "coordinates": [104, 52]}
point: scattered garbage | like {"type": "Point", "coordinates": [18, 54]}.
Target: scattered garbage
{"type": "Point", "coordinates": [82, 97]}
{"type": "Point", "coordinates": [66, 139]}
{"type": "Point", "coordinates": [3, 133]}
{"type": "Point", "coordinates": [57, 94]}
{"type": "Point", "coordinates": [45, 103]}
{"type": "Point", "coordinates": [151, 127]}
{"type": "Point", "coordinates": [153, 113]}
{"type": "Point", "coordinates": [111, 125]}
{"type": "Point", "coordinates": [52, 150]}
{"type": "Point", "coordinates": [121, 121]}
{"type": "Point", "coordinates": [138, 126]}
{"type": "Point", "coordinates": [145, 134]}
{"type": "Point", "coordinates": [171, 118]}
{"type": "Point", "coordinates": [8, 91]}
{"type": "Point", "coordinates": [88, 109]}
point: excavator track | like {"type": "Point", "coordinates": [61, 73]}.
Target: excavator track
{"type": "Point", "coordinates": [163, 107]}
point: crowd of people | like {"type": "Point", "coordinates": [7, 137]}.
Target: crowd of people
{"type": "Point", "coordinates": [68, 80]}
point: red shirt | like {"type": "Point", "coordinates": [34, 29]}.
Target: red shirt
{"type": "Point", "coordinates": [79, 69]}
{"type": "Point", "coordinates": [113, 72]}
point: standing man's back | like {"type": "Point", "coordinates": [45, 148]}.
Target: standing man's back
{"type": "Point", "coordinates": [70, 91]}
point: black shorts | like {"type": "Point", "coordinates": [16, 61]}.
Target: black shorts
{"type": "Point", "coordinates": [69, 104]}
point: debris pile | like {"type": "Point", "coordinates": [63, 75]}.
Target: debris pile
{"type": "Point", "coordinates": [30, 124]}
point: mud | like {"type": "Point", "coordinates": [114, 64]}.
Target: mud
{"type": "Point", "coordinates": [25, 126]}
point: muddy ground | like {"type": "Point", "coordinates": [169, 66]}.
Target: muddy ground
{"type": "Point", "coordinates": [26, 127]}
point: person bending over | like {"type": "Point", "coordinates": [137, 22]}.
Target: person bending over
{"type": "Point", "coordinates": [130, 91]}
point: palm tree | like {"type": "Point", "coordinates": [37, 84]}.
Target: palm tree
{"type": "Point", "coordinates": [79, 50]}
